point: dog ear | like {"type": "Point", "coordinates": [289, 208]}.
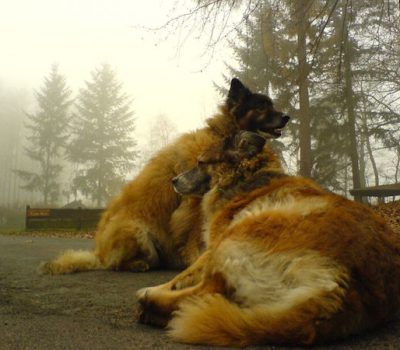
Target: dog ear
{"type": "Point", "coordinates": [237, 92]}
{"type": "Point", "coordinates": [249, 143]}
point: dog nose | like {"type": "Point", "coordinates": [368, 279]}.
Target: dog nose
{"type": "Point", "coordinates": [285, 118]}
{"type": "Point", "coordinates": [174, 180]}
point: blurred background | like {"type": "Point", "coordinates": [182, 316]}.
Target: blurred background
{"type": "Point", "coordinates": [90, 90]}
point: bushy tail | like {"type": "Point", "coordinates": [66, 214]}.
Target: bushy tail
{"type": "Point", "coordinates": [211, 319]}
{"type": "Point", "coordinates": [72, 261]}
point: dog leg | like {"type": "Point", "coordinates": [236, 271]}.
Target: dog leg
{"type": "Point", "coordinates": [157, 306]}
{"type": "Point", "coordinates": [187, 278]}
{"type": "Point", "coordinates": [159, 315]}
{"type": "Point", "coordinates": [127, 245]}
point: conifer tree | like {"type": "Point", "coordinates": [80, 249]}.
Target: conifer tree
{"type": "Point", "coordinates": [267, 52]}
{"type": "Point", "coordinates": [267, 56]}
{"type": "Point", "coordinates": [48, 136]}
{"type": "Point", "coordinates": [102, 143]}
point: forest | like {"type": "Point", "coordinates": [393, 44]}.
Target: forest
{"type": "Point", "coordinates": [332, 65]}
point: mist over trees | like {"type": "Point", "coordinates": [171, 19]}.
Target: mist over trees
{"type": "Point", "coordinates": [162, 132]}
{"type": "Point", "coordinates": [71, 147]}
{"type": "Point", "coordinates": [101, 141]}
{"type": "Point", "coordinates": [333, 66]}
{"type": "Point", "coordinates": [12, 156]}
{"type": "Point", "coordinates": [48, 133]}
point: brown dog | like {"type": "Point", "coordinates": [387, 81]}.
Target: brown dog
{"type": "Point", "coordinates": [286, 262]}
{"type": "Point", "coordinates": [149, 225]}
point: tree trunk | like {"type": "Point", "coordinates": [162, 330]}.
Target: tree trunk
{"type": "Point", "coordinates": [304, 112]}
{"type": "Point", "coordinates": [362, 161]}
{"type": "Point", "coordinates": [369, 150]}
{"type": "Point", "coordinates": [99, 185]}
{"type": "Point", "coordinates": [396, 174]}
{"type": "Point", "coordinates": [100, 182]}
{"type": "Point", "coordinates": [46, 177]}
{"type": "Point", "coordinates": [352, 151]}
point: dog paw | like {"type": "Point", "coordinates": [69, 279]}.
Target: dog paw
{"type": "Point", "coordinates": [152, 318]}
{"type": "Point", "coordinates": [144, 298]}
{"type": "Point", "coordinates": [148, 312]}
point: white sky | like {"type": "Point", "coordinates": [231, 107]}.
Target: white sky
{"type": "Point", "coordinates": [80, 35]}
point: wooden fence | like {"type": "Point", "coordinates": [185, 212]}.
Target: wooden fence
{"type": "Point", "coordinates": [49, 218]}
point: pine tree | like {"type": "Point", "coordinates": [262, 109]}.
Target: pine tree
{"type": "Point", "coordinates": [102, 143]}
{"type": "Point", "coordinates": [362, 37]}
{"type": "Point", "coordinates": [267, 55]}
{"type": "Point", "coordinates": [48, 136]}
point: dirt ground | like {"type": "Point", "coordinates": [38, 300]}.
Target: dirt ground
{"type": "Point", "coordinates": [94, 310]}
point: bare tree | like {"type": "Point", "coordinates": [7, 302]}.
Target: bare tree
{"type": "Point", "coordinates": [215, 21]}
{"type": "Point", "coordinates": [162, 132]}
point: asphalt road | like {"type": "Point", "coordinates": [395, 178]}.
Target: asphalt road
{"type": "Point", "coordinates": [94, 310]}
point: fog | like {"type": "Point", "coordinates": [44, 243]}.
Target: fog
{"type": "Point", "coordinates": [169, 57]}
{"type": "Point", "coordinates": [80, 35]}
{"type": "Point", "coordinates": [163, 78]}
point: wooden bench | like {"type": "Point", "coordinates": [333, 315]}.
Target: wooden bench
{"type": "Point", "coordinates": [381, 191]}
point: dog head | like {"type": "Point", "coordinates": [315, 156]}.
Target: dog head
{"type": "Point", "coordinates": [254, 112]}
{"type": "Point", "coordinates": [234, 159]}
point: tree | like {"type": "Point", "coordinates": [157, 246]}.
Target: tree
{"type": "Point", "coordinates": [102, 143]}
{"type": "Point", "coordinates": [333, 63]}
{"type": "Point", "coordinates": [301, 17]}
{"type": "Point", "coordinates": [272, 56]}
{"type": "Point", "coordinates": [12, 106]}
{"type": "Point", "coordinates": [342, 78]}
{"type": "Point", "coordinates": [364, 39]}
{"type": "Point", "coordinates": [161, 133]}
{"type": "Point", "coordinates": [48, 136]}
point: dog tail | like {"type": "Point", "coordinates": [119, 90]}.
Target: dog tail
{"type": "Point", "coordinates": [72, 261]}
{"type": "Point", "coordinates": [213, 320]}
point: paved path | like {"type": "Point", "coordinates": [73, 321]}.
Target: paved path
{"type": "Point", "coordinates": [93, 310]}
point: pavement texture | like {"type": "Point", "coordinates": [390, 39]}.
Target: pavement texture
{"type": "Point", "coordinates": [95, 310]}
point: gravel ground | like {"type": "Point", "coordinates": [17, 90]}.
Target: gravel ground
{"type": "Point", "coordinates": [97, 310]}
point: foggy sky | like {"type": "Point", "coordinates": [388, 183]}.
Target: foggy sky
{"type": "Point", "coordinates": [80, 35]}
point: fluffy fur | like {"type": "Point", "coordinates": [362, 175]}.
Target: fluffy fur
{"type": "Point", "coordinates": [149, 225]}
{"type": "Point", "coordinates": [286, 262]}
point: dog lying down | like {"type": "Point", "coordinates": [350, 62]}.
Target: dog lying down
{"type": "Point", "coordinates": [286, 262]}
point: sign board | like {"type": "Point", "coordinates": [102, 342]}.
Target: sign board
{"type": "Point", "coordinates": [37, 212]}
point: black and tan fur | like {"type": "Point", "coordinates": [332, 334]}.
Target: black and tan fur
{"type": "Point", "coordinates": [286, 262]}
